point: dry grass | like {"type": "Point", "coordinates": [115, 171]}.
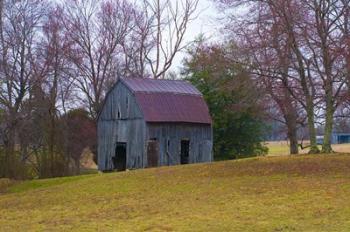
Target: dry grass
{"type": "Point", "coordinates": [4, 184]}
{"type": "Point", "coordinates": [302, 193]}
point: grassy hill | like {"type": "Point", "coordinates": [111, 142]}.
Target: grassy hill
{"type": "Point", "coordinates": [303, 193]}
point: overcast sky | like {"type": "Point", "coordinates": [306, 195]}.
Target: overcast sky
{"type": "Point", "coordinates": [205, 23]}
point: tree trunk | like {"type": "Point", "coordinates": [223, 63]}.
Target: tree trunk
{"type": "Point", "coordinates": [309, 103]}
{"type": "Point", "coordinates": [327, 140]}
{"type": "Point", "coordinates": [289, 113]}
{"type": "Point", "coordinates": [77, 166]}
{"type": "Point", "coordinates": [9, 149]}
{"type": "Point", "coordinates": [293, 139]}
{"type": "Point", "coordinates": [312, 130]}
{"type": "Point", "coordinates": [291, 122]}
{"type": "Point", "coordinates": [51, 145]}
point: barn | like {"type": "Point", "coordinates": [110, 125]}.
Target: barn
{"type": "Point", "coordinates": [148, 123]}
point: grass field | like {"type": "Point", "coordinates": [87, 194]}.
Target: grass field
{"type": "Point", "coordinates": [282, 148]}
{"type": "Point", "coordinates": [301, 193]}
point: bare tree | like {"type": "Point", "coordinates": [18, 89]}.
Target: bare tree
{"type": "Point", "coordinates": [96, 31]}
{"type": "Point", "coordinates": [54, 78]}
{"type": "Point", "coordinates": [271, 57]}
{"type": "Point", "coordinates": [18, 33]}
{"type": "Point", "coordinates": [324, 35]}
{"type": "Point", "coordinates": [166, 23]}
{"type": "Point", "coordinates": [316, 61]}
{"type": "Point", "coordinates": [113, 39]}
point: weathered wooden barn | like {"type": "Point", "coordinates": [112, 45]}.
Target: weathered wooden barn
{"type": "Point", "coordinates": [149, 123]}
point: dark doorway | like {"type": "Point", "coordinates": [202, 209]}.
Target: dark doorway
{"type": "Point", "coordinates": [119, 160]}
{"type": "Point", "coordinates": [152, 153]}
{"type": "Point", "coordinates": [185, 151]}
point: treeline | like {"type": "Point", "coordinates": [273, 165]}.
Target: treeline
{"type": "Point", "coordinates": [298, 53]}
{"type": "Point", "coordinates": [59, 56]}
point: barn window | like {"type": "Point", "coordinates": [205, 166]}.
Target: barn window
{"type": "Point", "coordinates": [119, 114]}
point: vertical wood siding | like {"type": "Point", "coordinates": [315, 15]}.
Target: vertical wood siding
{"type": "Point", "coordinates": [129, 126]}
{"type": "Point", "coordinates": [200, 136]}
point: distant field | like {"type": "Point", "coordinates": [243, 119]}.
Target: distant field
{"type": "Point", "coordinates": [291, 193]}
{"type": "Point", "coordinates": [282, 148]}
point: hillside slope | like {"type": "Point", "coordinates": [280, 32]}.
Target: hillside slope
{"type": "Point", "coordinates": [304, 193]}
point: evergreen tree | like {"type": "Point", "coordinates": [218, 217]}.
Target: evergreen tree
{"type": "Point", "coordinates": [233, 100]}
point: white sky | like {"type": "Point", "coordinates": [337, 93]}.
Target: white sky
{"type": "Point", "coordinates": [205, 23]}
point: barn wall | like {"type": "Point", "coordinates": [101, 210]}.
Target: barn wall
{"type": "Point", "coordinates": [121, 99]}
{"type": "Point", "coordinates": [200, 137]}
{"type": "Point", "coordinates": [126, 126]}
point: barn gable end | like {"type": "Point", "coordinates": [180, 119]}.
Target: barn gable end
{"type": "Point", "coordinates": [120, 121]}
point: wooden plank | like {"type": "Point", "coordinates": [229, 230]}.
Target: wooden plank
{"type": "Point", "coordinates": [152, 153]}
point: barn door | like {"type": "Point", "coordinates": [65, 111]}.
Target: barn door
{"type": "Point", "coordinates": [119, 160]}
{"type": "Point", "coordinates": [152, 153]}
{"type": "Point", "coordinates": [185, 151]}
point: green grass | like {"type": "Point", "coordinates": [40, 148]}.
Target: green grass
{"type": "Point", "coordinates": [276, 148]}
{"type": "Point", "coordinates": [44, 183]}
{"type": "Point", "coordinates": [301, 193]}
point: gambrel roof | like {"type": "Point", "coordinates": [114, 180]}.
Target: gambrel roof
{"type": "Point", "coordinates": [148, 85]}
{"type": "Point", "coordinates": [169, 100]}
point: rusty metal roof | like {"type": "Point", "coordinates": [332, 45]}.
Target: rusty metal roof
{"type": "Point", "coordinates": [169, 100]}
{"type": "Point", "coordinates": [160, 86]}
